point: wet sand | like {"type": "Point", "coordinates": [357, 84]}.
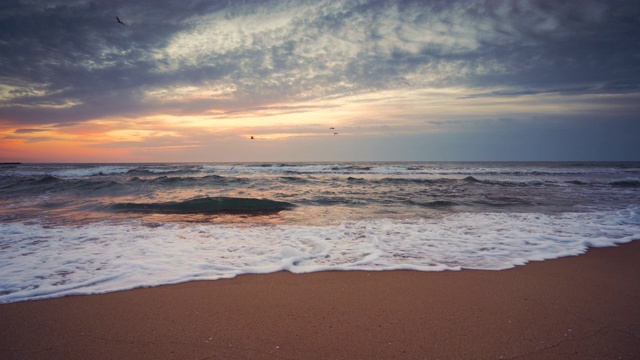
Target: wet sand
{"type": "Point", "coordinates": [581, 307]}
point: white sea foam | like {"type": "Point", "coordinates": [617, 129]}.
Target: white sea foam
{"type": "Point", "coordinates": [431, 170]}
{"type": "Point", "coordinates": [70, 172]}
{"type": "Point", "coordinates": [92, 171]}
{"type": "Point", "coordinates": [455, 170]}
{"type": "Point", "coordinates": [39, 261]}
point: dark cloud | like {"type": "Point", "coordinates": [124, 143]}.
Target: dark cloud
{"type": "Point", "coordinates": [607, 88]}
{"type": "Point", "coordinates": [68, 61]}
{"type": "Point", "coordinates": [28, 131]}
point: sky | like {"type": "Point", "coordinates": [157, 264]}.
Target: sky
{"type": "Point", "coordinates": [430, 80]}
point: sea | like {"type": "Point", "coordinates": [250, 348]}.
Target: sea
{"type": "Point", "coordinates": [73, 229]}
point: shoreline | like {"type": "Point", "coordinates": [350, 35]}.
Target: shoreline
{"type": "Point", "coordinates": [576, 307]}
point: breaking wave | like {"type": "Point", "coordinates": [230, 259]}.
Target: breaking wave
{"type": "Point", "coordinates": [207, 205]}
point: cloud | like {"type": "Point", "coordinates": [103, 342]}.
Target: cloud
{"type": "Point", "coordinates": [63, 63]}
{"type": "Point", "coordinates": [28, 131]}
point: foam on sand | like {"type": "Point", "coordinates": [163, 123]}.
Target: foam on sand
{"type": "Point", "coordinates": [40, 261]}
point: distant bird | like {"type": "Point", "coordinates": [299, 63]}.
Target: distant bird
{"type": "Point", "coordinates": [252, 138]}
{"type": "Point", "coordinates": [335, 133]}
{"type": "Point", "coordinates": [331, 128]}
{"type": "Point", "coordinates": [119, 22]}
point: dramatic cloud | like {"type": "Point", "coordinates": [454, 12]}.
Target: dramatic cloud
{"type": "Point", "coordinates": [177, 72]}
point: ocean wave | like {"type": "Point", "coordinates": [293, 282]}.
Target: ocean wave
{"type": "Point", "coordinates": [206, 205]}
{"type": "Point", "coordinates": [334, 200]}
{"type": "Point", "coordinates": [503, 201]}
{"type": "Point", "coordinates": [179, 180]}
{"type": "Point", "coordinates": [437, 204]}
{"type": "Point", "coordinates": [294, 179]}
{"type": "Point", "coordinates": [92, 171]}
{"type": "Point", "coordinates": [434, 169]}
{"type": "Point", "coordinates": [272, 165]}
{"type": "Point", "coordinates": [516, 182]}
{"type": "Point", "coordinates": [47, 180]}
{"type": "Point", "coordinates": [412, 181]}
{"type": "Point", "coordinates": [96, 185]}
{"type": "Point", "coordinates": [52, 184]}
{"type": "Point", "coordinates": [626, 183]}
{"type": "Point", "coordinates": [471, 179]}
{"type": "Point", "coordinates": [576, 182]}
{"type": "Point", "coordinates": [16, 186]}
{"type": "Point", "coordinates": [356, 180]}
{"type": "Point", "coordinates": [354, 168]}
{"type": "Point", "coordinates": [155, 172]}
{"type": "Point", "coordinates": [89, 170]}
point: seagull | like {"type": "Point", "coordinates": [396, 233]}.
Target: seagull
{"type": "Point", "coordinates": [119, 22]}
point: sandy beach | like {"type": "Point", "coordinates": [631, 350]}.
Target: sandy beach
{"type": "Point", "coordinates": [581, 307]}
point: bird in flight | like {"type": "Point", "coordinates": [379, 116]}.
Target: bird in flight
{"type": "Point", "coordinates": [335, 133]}
{"type": "Point", "coordinates": [331, 128]}
{"type": "Point", "coordinates": [252, 138]}
{"type": "Point", "coordinates": [119, 22]}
